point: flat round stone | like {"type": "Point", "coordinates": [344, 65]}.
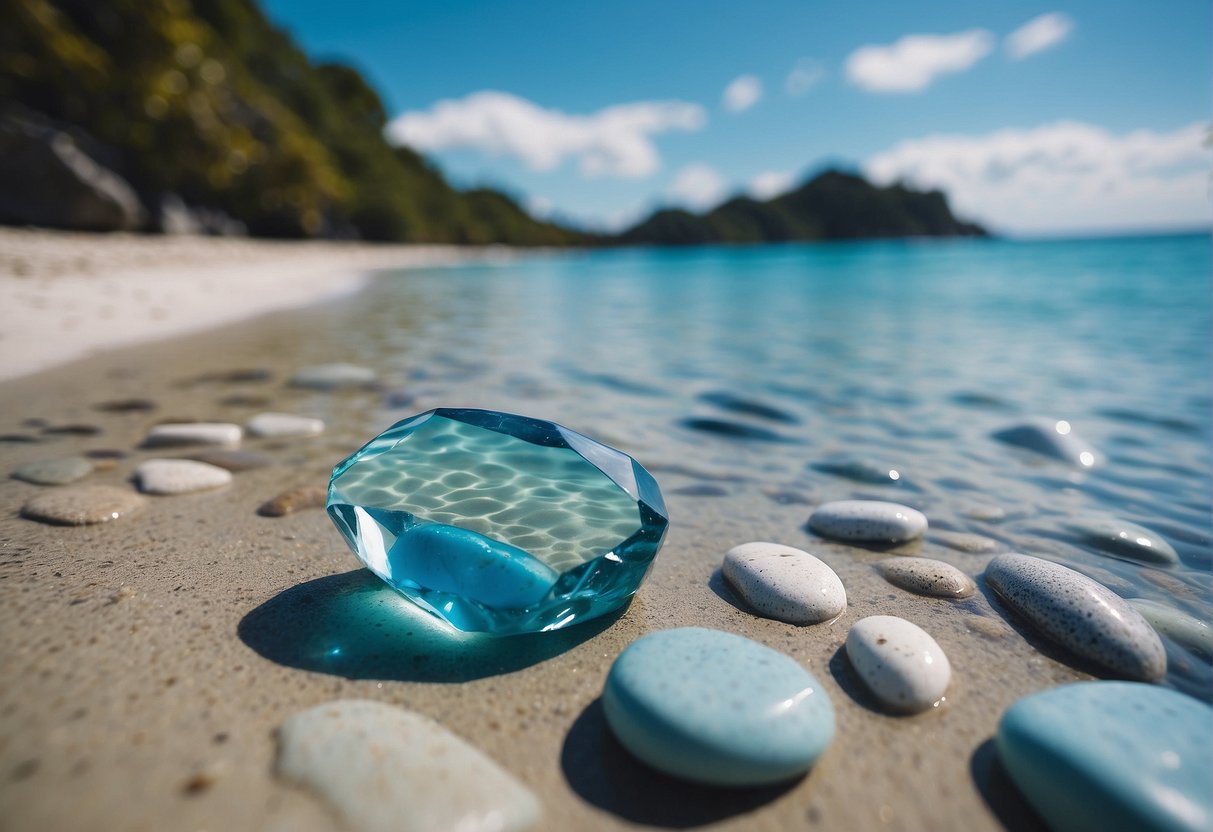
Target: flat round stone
{"type": "Point", "coordinates": [903, 667]}
{"type": "Point", "coordinates": [179, 476]}
{"type": "Point", "coordinates": [870, 521]}
{"type": "Point", "coordinates": [81, 505]}
{"type": "Point", "coordinates": [54, 471]}
{"type": "Point", "coordinates": [333, 377]}
{"type": "Point", "coordinates": [1125, 539]}
{"type": "Point", "coordinates": [1080, 614]}
{"type": "Point", "coordinates": [385, 769]}
{"type": "Point", "coordinates": [1053, 438]}
{"type": "Point", "coordinates": [1097, 756]}
{"type": "Point", "coordinates": [284, 425]}
{"type": "Point", "coordinates": [784, 583]}
{"type": "Point", "coordinates": [193, 433]}
{"type": "Point", "coordinates": [925, 576]}
{"type": "Point", "coordinates": [716, 708]}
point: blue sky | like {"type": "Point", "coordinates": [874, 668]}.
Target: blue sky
{"type": "Point", "coordinates": [1092, 118]}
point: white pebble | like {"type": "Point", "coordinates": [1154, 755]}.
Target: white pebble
{"type": "Point", "coordinates": [179, 476]}
{"type": "Point", "coordinates": [899, 663]}
{"type": "Point", "coordinates": [784, 583]}
{"type": "Point", "coordinates": [1175, 624]}
{"type": "Point", "coordinates": [1080, 614]}
{"type": "Point", "coordinates": [193, 433]}
{"type": "Point", "coordinates": [873, 521]}
{"type": "Point", "coordinates": [384, 769]}
{"type": "Point", "coordinates": [282, 425]}
{"type": "Point", "coordinates": [926, 576]}
{"type": "Point", "coordinates": [333, 376]}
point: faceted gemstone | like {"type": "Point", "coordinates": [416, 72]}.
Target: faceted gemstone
{"type": "Point", "coordinates": [499, 523]}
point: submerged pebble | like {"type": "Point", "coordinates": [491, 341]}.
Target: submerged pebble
{"type": "Point", "coordinates": [193, 433]}
{"type": "Point", "coordinates": [1120, 537]}
{"type": "Point", "coordinates": [1080, 614]}
{"type": "Point", "coordinates": [1112, 756]}
{"type": "Point", "coordinates": [1175, 624]}
{"type": "Point", "coordinates": [179, 476]}
{"type": "Point", "coordinates": [734, 430]}
{"type": "Point", "coordinates": [902, 666]}
{"type": "Point", "coordinates": [973, 544]}
{"type": "Point", "coordinates": [81, 505]}
{"type": "Point", "coordinates": [784, 583]}
{"type": "Point", "coordinates": [872, 521]}
{"type": "Point", "coordinates": [294, 500]}
{"type": "Point", "coordinates": [716, 708]}
{"type": "Point", "coordinates": [926, 576]}
{"type": "Point", "coordinates": [861, 469]}
{"type": "Point", "coordinates": [54, 471]}
{"type": "Point", "coordinates": [1050, 437]}
{"type": "Point", "coordinates": [385, 769]}
{"type": "Point", "coordinates": [234, 460]}
{"type": "Point", "coordinates": [333, 377]}
{"type": "Point", "coordinates": [279, 425]}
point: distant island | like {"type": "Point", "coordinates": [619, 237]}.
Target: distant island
{"type": "Point", "coordinates": [206, 118]}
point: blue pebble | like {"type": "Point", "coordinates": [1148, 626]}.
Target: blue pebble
{"type": "Point", "coordinates": [1109, 756]}
{"type": "Point", "coordinates": [717, 708]}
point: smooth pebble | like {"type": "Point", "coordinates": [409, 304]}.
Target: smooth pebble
{"type": "Point", "coordinates": [872, 521]}
{"type": "Point", "coordinates": [234, 459]}
{"type": "Point", "coordinates": [1112, 756]}
{"type": "Point", "coordinates": [902, 666]}
{"type": "Point", "coordinates": [193, 433]}
{"type": "Point", "coordinates": [179, 476]}
{"type": "Point", "coordinates": [333, 376]}
{"type": "Point", "coordinates": [1080, 614]}
{"type": "Point", "coordinates": [717, 708]}
{"type": "Point", "coordinates": [1120, 537]}
{"type": "Point", "coordinates": [382, 768]}
{"type": "Point", "coordinates": [784, 583]}
{"type": "Point", "coordinates": [1175, 624]}
{"type": "Point", "coordinates": [294, 500]}
{"type": "Point", "coordinates": [1050, 437]}
{"type": "Point", "coordinates": [54, 471]}
{"type": "Point", "coordinates": [861, 469]}
{"type": "Point", "coordinates": [973, 544]}
{"type": "Point", "coordinates": [282, 425]}
{"type": "Point", "coordinates": [81, 505]}
{"type": "Point", "coordinates": [926, 576]}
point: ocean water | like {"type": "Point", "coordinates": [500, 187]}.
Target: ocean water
{"type": "Point", "coordinates": [757, 382]}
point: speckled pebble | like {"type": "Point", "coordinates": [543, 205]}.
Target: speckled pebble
{"type": "Point", "coordinates": [1112, 757]}
{"type": "Point", "coordinates": [234, 460]}
{"type": "Point", "coordinates": [382, 768]}
{"type": "Point", "coordinates": [713, 707]}
{"type": "Point", "coordinates": [333, 376]}
{"type": "Point", "coordinates": [280, 425]}
{"type": "Point", "coordinates": [81, 505]}
{"type": "Point", "coordinates": [179, 434]}
{"type": "Point", "coordinates": [1080, 614]}
{"type": "Point", "coordinates": [1120, 537]}
{"type": "Point", "coordinates": [1177, 625]}
{"type": "Point", "coordinates": [784, 583]}
{"type": "Point", "coordinates": [294, 500]}
{"type": "Point", "coordinates": [925, 576]}
{"type": "Point", "coordinates": [179, 476]}
{"type": "Point", "coordinates": [54, 471]}
{"type": "Point", "coordinates": [1051, 437]}
{"type": "Point", "coordinates": [973, 544]}
{"type": "Point", "coordinates": [902, 666]}
{"type": "Point", "coordinates": [871, 521]}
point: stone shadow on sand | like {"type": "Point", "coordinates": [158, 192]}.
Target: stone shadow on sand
{"type": "Point", "coordinates": [355, 626]}
{"type": "Point", "coordinates": [605, 775]}
{"type": "Point", "coordinates": [999, 792]}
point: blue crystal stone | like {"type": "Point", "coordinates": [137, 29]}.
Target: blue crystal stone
{"type": "Point", "coordinates": [499, 523]}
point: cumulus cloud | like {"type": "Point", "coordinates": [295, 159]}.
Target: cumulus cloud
{"type": "Point", "coordinates": [771, 183]}
{"type": "Point", "coordinates": [1061, 176]}
{"type": "Point", "coordinates": [1038, 34]}
{"type": "Point", "coordinates": [614, 141]}
{"type": "Point", "coordinates": [804, 76]}
{"type": "Point", "coordinates": [914, 61]}
{"type": "Point", "coordinates": [697, 186]}
{"type": "Point", "coordinates": [742, 93]}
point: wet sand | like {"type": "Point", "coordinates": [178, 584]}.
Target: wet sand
{"type": "Point", "coordinates": [146, 662]}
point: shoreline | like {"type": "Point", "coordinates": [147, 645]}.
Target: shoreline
{"type": "Point", "coordinates": [68, 295]}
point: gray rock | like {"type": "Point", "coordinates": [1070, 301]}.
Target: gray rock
{"type": "Point", "coordinates": [1079, 614]}
{"type": "Point", "coordinates": [284, 425]}
{"type": "Point", "coordinates": [925, 576]}
{"type": "Point", "coordinates": [1120, 537]}
{"type": "Point", "coordinates": [872, 521]}
{"type": "Point", "coordinates": [193, 433]}
{"type": "Point", "coordinates": [54, 471]}
{"type": "Point", "coordinates": [179, 476]}
{"type": "Point", "coordinates": [1051, 437]}
{"type": "Point", "coordinates": [1175, 624]}
{"type": "Point", "coordinates": [81, 505]}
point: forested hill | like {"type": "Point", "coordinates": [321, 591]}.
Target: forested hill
{"type": "Point", "coordinates": [831, 206]}
{"type": "Point", "coordinates": [202, 111]}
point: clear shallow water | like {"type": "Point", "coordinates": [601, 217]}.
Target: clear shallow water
{"type": "Point", "coordinates": [751, 379]}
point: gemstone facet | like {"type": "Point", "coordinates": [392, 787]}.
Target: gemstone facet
{"type": "Point", "coordinates": [499, 523]}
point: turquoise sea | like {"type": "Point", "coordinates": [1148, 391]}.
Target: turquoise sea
{"type": "Point", "coordinates": [757, 382]}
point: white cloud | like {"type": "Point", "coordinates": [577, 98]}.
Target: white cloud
{"type": "Point", "coordinates": [697, 186]}
{"type": "Point", "coordinates": [914, 61]}
{"type": "Point", "coordinates": [804, 76]}
{"type": "Point", "coordinates": [1038, 34]}
{"type": "Point", "coordinates": [771, 183]}
{"type": "Point", "coordinates": [742, 93]}
{"type": "Point", "coordinates": [614, 141]}
{"type": "Point", "coordinates": [1061, 176]}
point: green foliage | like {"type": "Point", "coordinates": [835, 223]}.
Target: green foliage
{"type": "Point", "coordinates": [831, 206]}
